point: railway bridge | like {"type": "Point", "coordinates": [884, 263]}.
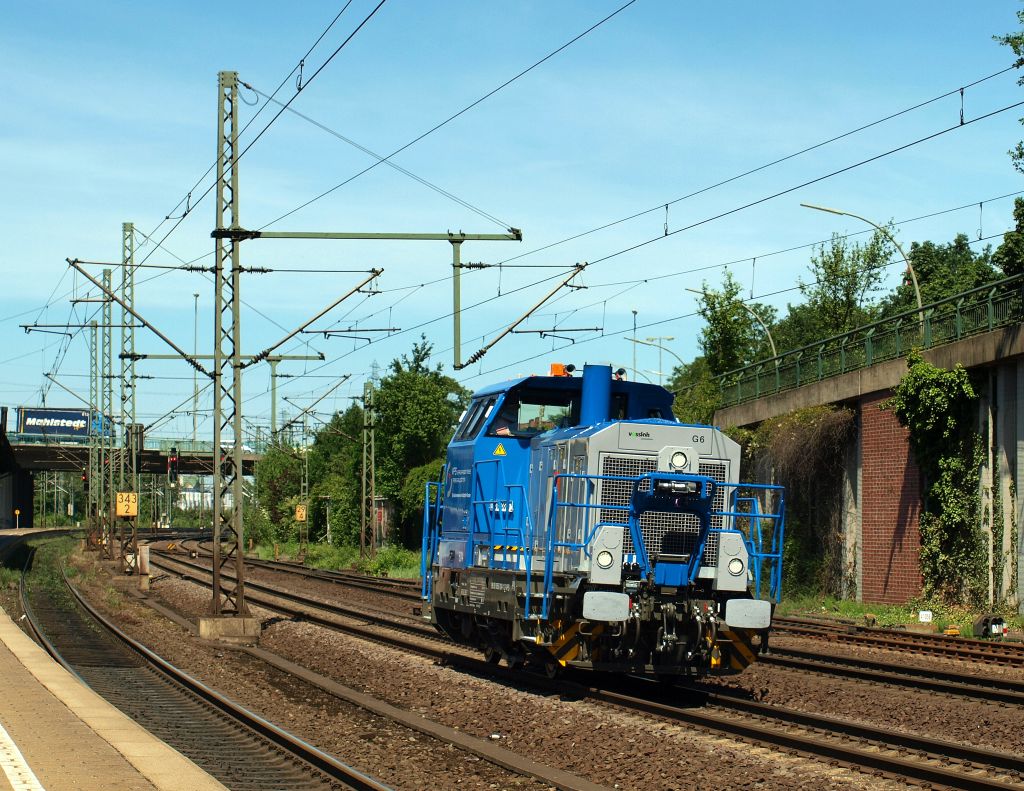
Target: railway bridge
{"type": "Point", "coordinates": [23, 456]}
{"type": "Point", "coordinates": [980, 329]}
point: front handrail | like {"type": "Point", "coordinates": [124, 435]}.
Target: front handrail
{"type": "Point", "coordinates": [431, 529]}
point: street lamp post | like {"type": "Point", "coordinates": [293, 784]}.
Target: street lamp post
{"type": "Point", "coordinates": [890, 237]}
{"type": "Point", "coordinates": [651, 342]}
{"type": "Point", "coordinates": [634, 341]}
{"type": "Point", "coordinates": [195, 374]}
{"type": "Point", "coordinates": [654, 342]}
{"type": "Point", "coordinates": [641, 373]}
{"type": "Point", "coordinates": [758, 319]}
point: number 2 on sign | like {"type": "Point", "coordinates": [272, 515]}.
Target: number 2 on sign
{"type": "Point", "coordinates": [127, 504]}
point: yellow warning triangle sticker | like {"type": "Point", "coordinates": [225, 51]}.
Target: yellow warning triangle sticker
{"type": "Point", "coordinates": [500, 450]}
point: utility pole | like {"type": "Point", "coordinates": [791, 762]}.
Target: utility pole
{"type": "Point", "coordinates": [91, 475]}
{"type": "Point", "coordinates": [274, 359]}
{"type": "Point", "coordinates": [128, 475]}
{"type": "Point", "coordinates": [195, 373]}
{"type": "Point", "coordinates": [634, 341]}
{"type": "Point", "coordinates": [228, 596]}
{"type": "Point", "coordinates": [107, 418]}
{"type": "Point", "coordinates": [229, 363]}
{"type": "Point", "coordinates": [368, 512]}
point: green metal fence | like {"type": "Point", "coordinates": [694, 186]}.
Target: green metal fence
{"type": "Point", "coordinates": [980, 310]}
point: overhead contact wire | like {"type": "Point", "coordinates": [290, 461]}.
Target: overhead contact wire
{"type": "Point", "coordinates": [801, 152]}
{"type": "Point", "coordinates": [451, 118]}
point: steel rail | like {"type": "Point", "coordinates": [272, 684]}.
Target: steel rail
{"type": "Point", "coordinates": [388, 587]}
{"type": "Point", "coordinates": [824, 736]}
{"type": "Point", "coordinates": [932, 645]}
{"type": "Point", "coordinates": [241, 717]}
{"type": "Point", "coordinates": [974, 687]}
{"type": "Point", "coordinates": [521, 765]}
{"type": "Point", "coordinates": [964, 685]}
{"type": "Point", "coordinates": [384, 620]}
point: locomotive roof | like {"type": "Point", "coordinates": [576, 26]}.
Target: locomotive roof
{"type": "Point", "coordinates": [570, 383]}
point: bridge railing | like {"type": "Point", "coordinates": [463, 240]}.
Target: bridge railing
{"type": "Point", "coordinates": [982, 309]}
{"type": "Point", "coordinates": [162, 444]}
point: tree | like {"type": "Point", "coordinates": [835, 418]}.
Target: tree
{"type": "Point", "coordinates": [411, 498]}
{"type": "Point", "coordinates": [942, 271]}
{"type": "Point", "coordinates": [697, 393]}
{"type": "Point", "coordinates": [1015, 41]}
{"type": "Point", "coordinates": [335, 476]}
{"type": "Point", "coordinates": [337, 446]}
{"type": "Point", "coordinates": [417, 408]}
{"type": "Point", "coordinates": [839, 296]}
{"type": "Point", "coordinates": [278, 477]}
{"type": "Point", "coordinates": [731, 337]}
{"type": "Point", "coordinates": [1009, 256]}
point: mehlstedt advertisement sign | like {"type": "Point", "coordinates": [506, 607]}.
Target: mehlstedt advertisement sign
{"type": "Point", "coordinates": [53, 422]}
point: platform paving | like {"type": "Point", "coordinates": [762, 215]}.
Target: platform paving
{"type": "Point", "coordinates": [58, 734]}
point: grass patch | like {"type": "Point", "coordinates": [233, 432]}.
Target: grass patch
{"type": "Point", "coordinates": [888, 615]}
{"type": "Point", "coordinates": [9, 578]}
{"type": "Point", "coordinates": [389, 561]}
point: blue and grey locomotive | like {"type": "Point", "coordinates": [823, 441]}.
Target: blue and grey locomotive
{"type": "Point", "coordinates": [580, 524]}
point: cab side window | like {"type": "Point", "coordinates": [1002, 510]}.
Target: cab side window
{"type": "Point", "coordinates": [474, 419]}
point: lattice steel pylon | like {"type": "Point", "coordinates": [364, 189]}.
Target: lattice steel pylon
{"type": "Point", "coordinates": [228, 594]}
{"type": "Point", "coordinates": [128, 455]}
{"type": "Point", "coordinates": [92, 473]}
{"type": "Point", "coordinates": [106, 417]}
{"type": "Point", "coordinates": [368, 509]}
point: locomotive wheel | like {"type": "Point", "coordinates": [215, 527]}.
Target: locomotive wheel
{"type": "Point", "coordinates": [492, 655]}
{"type": "Point", "coordinates": [552, 668]}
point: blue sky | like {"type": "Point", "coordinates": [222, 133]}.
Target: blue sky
{"type": "Point", "coordinates": [109, 116]}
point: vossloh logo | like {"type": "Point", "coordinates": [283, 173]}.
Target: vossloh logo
{"type": "Point", "coordinates": [638, 434]}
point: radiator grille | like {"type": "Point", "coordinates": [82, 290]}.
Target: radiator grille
{"type": "Point", "coordinates": [669, 532]}
{"type": "Point", "coordinates": [716, 470]}
{"type": "Point", "coordinates": [619, 492]}
{"type": "Point", "coordinates": [663, 531]}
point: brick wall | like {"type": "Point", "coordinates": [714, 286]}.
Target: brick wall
{"type": "Point", "coordinates": [890, 507]}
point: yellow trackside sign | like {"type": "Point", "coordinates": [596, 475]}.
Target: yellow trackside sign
{"type": "Point", "coordinates": [127, 504]}
{"type": "Point", "coordinates": [500, 450]}
{"type": "Point", "coordinates": [300, 513]}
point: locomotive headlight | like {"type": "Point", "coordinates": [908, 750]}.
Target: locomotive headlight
{"type": "Point", "coordinates": [677, 487]}
{"type": "Point", "coordinates": [605, 559]}
{"type": "Point", "coordinates": [736, 567]}
{"type": "Point", "coordinates": [678, 460]}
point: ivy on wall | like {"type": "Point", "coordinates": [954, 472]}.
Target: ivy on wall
{"type": "Point", "coordinates": [937, 406]}
{"type": "Point", "coordinates": [805, 451]}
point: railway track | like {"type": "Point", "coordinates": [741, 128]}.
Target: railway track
{"type": "Point", "coordinates": [404, 589]}
{"type": "Point", "coordinates": [1011, 654]}
{"type": "Point", "coordinates": [964, 685]}
{"type": "Point", "coordinates": [271, 598]}
{"type": "Point", "coordinates": [304, 608]}
{"type": "Point", "coordinates": [240, 749]}
{"type": "Point", "coordinates": [892, 753]}
{"type": "Point", "coordinates": [958, 684]}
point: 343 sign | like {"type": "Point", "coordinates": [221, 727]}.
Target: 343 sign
{"type": "Point", "coordinates": [127, 504]}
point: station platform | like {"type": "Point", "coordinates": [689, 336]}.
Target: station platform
{"type": "Point", "coordinates": [56, 733]}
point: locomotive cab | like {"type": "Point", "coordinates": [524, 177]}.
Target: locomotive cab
{"type": "Point", "coordinates": [578, 523]}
